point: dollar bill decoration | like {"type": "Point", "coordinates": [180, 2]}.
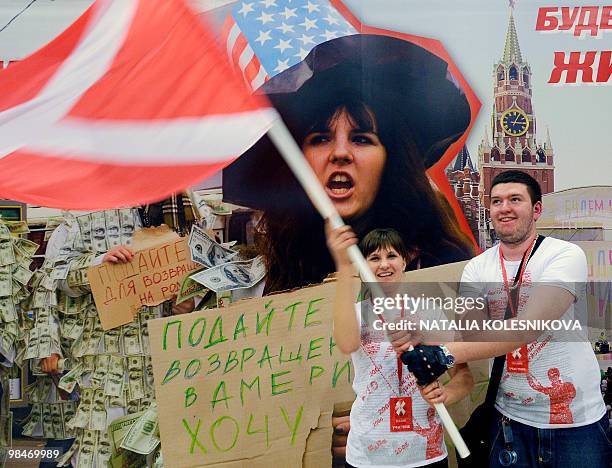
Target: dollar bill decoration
{"type": "Point", "coordinates": [85, 229]}
{"type": "Point", "coordinates": [7, 255]}
{"type": "Point", "coordinates": [232, 275]}
{"type": "Point", "coordinates": [113, 228]}
{"type": "Point", "coordinates": [129, 221]}
{"type": "Point", "coordinates": [206, 251]}
{"type": "Point", "coordinates": [190, 288]}
{"type": "Point", "coordinates": [98, 232]}
{"type": "Point", "coordinates": [6, 287]}
{"type": "Point", "coordinates": [17, 228]}
{"type": "Point", "coordinates": [143, 435]}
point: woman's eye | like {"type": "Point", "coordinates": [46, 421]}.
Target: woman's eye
{"type": "Point", "coordinates": [316, 139]}
{"type": "Point", "coordinates": [373, 259]}
{"type": "Point", "coordinates": [362, 139]}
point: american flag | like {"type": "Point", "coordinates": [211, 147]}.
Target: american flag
{"type": "Point", "coordinates": [265, 37]}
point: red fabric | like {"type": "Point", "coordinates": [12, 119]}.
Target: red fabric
{"type": "Point", "coordinates": [25, 78]}
{"type": "Point", "coordinates": [82, 185]}
{"type": "Point", "coordinates": [167, 67]}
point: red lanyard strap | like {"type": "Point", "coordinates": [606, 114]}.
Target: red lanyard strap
{"type": "Point", "coordinates": [519, 277]}
{"type": "Point", "coordinates": [400, 364]}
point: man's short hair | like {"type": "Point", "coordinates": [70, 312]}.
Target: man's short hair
{"type": "Point", "coordinates": [520, 177]}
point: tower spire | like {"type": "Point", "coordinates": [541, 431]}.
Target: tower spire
{"type": "Point", "coordinates": [512, 51]}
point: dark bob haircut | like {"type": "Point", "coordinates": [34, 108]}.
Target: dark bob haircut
{"type": "Point", "coordinates": [386, 238]}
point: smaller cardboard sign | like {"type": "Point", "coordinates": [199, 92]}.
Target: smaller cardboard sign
{"type": "Point", "coordinates": [154, 275]}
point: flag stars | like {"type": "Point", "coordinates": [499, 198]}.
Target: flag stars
{"type": "Point", "coordinates": [268, 3]}
{"type": "Point", "coordinates": [265, 18]}
{"type": "Point", "coordinates": [302, 54]}
{"type": "Point", "coordinates": [263, 37]}
{"type": "Point", "coordinates": [309, 24]}
{"type": "Point", "coordinates": [307, 39]}
{"type": "Point", "coordinates": [246, 9]}
{"type": "Point", "coordinates": [311, 7]}
{"type": "Point", "coordinates": [283, 45]}
{"type": "Point", "coordinates": [331, 20]}
{"type": "Point", "coordinates": [329, 35]}
{"type": "Point", "coordinates": [286, 28]}
{"type": "Point", "coordinates": [289, 13]}
{"type": "Point", "coordinates": [281, 65]}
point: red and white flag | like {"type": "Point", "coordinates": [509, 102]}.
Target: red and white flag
{"type": "Point", "coordinates": [132, 102]}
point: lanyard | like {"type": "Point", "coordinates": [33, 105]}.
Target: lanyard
{"type": "Point", "coordinates": [400, 364]}
{"type": "Point", "coordinates": [519, 279]}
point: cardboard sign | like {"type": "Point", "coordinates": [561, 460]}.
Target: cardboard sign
{"type": "Point", "coordinates": [257, 379]}
{"type": "Point", "coordinates": [154, 275]}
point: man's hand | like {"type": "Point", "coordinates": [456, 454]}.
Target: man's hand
{"type": "Point", "coordinates": [184, 307]}
{"type": "Point", "coordinates": [119, 254]}
{"type": "Point", "coordinates": [49, 364]}
{"type": "Point", "coordinates": [341, 426]}
{"type": "Point", "coordinates": [427, 363]}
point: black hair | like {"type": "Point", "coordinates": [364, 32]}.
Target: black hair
{"type": "Point", "coordinates": [520, 177]}
{"type": "Point", "coordinates": [383, 239]}
{"type": "Point", "coordinates": [292, 238]}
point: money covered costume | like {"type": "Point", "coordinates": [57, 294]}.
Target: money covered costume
{"type": "Point", "coordinates": [15, 258]}
{"type": "Point", "coordinates": [110, 371]}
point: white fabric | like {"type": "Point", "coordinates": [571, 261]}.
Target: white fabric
{"type": "Point", "coordinates": [560, 264]}
{"type": "Point", "coordinates": [370, 442]}
{"type": "Point", "coordinates": [212, 138]}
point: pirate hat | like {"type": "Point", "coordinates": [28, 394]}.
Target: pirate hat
{"type": "Point", "coordinates": [414, 84]}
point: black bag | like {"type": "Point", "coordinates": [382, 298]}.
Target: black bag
{"type": "Point", "coordinates": [475, 433]}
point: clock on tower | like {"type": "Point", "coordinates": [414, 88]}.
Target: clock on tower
{"type": "Point", "coordinates": [514, 122]}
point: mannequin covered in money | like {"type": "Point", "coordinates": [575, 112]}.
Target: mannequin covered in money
{"type": "Point", "coordinates": [111, 371]}
{"type": "Point", "coordinates": [15, 258]}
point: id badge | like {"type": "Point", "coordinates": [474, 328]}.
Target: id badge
{"type": "Point", "coordinates": [518, 361]}
{"type": "Point", "coordinates": [401, 414]}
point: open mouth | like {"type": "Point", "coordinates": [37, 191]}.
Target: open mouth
{"type": "Point", "coordinates": [385, 274]}
{"type": "Point", "coordinates": [340, 185]}
{"type": "Point", "coordinates": [506, 220]}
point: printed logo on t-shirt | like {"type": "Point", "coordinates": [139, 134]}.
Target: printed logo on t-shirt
{"type": "Point", "coordinates": [518, 361]}
{"type": "Point", "coordinates": [561, 395]}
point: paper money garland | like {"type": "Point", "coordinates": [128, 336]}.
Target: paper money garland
{"type": "Point", "coordinates": [15, 259]}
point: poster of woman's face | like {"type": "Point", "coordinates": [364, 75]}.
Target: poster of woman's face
{"type": "Point", "coordinates": [371, 114]}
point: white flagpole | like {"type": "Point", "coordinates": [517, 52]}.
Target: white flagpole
{"type": "Point", "coordinates": [292, 154]}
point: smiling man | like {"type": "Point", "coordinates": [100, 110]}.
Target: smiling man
{"type": "Point", "coordinates": [548, 402]}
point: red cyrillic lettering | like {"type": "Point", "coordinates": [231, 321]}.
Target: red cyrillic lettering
{"type": "Point", "coordinates": [604, 69]}
{"type": "Point", "coordinates": [109, 296]}
{"type": "Point", "coordinates": [605, 21]}
{"type": "Point", "coordinates": [567, 18]}
{"type": "Point", "coordinates": [591, 24]}
{"type": "Point", "coordinates": [572, 67]}
{"type": "Point", "coordinates": [546, 22]}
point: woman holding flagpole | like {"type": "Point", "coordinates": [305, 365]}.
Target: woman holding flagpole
{"type": "Point", "coordinates": [392, 423]}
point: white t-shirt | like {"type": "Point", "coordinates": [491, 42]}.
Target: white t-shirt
{"type": "Point", "coordinates": [559, 385]}
{"type": "Point", "coordinates": [370, 441]}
